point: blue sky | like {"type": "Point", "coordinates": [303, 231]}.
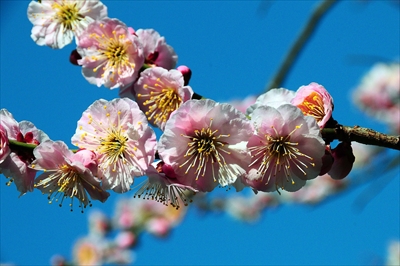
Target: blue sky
{"type": "Point", "coordinates": [233, 49]}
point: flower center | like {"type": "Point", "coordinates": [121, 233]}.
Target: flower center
{"type": "Point", "coordinates": [162, 101]}
{"type": "Point", "coordinates": [114, 48]}
{"type": "Point", "coordinates": [114, 146]}
{"type": "Point", "coordinates": [279, 154]}
{"type": "Point", "coordinates": [313, 106]}
{"type": "Point", "coordinates": [67, 14]}
{"type": "Point", "coordinates": [205, 149]}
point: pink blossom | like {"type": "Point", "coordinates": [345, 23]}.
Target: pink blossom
{"type": "Point", "coordinates": [273, 98]}
{"type": "Point", "coordinates": [158, 226]}
{"type": "Point", "coordinates": [125, 239]}
{"type": "Point", "coordinates": [4, 148]}
{"type": "Point", "coordinates": [205, 144]}
{"type": "Point", "coordinates": [378, 94]}
{"type": "Point", "coordinates": [162, 186]}
{"type": "Point", "coordinates": [111, 55]}
{"type": "Point", "coordinates": [156, 51]}
{"type": "Point", "coordinates": [134, 215]}
{"type": "Point", "coordinates": [118, 132]}
{"type": "Point", "coordinates": [343, 160]}
{"type": "Point", "coordinates": [56, 22]}
{"type": "Point", "coordinates": [286, 149]}
{"type": "Point", "coordinates": [89, 251]}
{"type": "Point", "coordinates": [314, 100]}
{"type": "Point", "coordinates": [15, 165]}
{"type": "Point", "coordinates": [159, 92]}
{"type": "Point", "coordinates": [66, 175]}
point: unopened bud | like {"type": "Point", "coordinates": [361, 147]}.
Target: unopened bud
{"type": "Point", "coordinates": [344, 159]}
{"type": "Point", "coordinates": [186, 72]}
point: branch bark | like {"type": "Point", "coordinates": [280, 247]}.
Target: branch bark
{"type": "Point", "coordinates": [362, 135]}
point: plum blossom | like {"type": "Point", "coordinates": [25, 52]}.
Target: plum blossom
{"type": "Point", "coordinates": [118, 132]}
{"type": "Point", "coordinates": [274, 98]}
{"type": "Point", "coordinates": [56, 22]}
{"type": "Point", "coordinates": [15, 165]}
{"type": "Point", "coordinates": [314, 100]}
{"type": "Point", "coordinates": [136, 215]}
{"type": "Point", "coordinates": [159, 92]}
{"type": "Point", "coordinates": [162, 186]}
{"type": "Point", "coordinates": [111, 55]}
{"type": "Point", "coordinates": [286, 149]}
{"type": "Point", "coordinates": [205, 144]}
{"type": "Point", "coordinates": [379, 94]}
{"type": "Point", "coordinates": [67, 175]}
{"type": "Point", "coordinates": [4, 148]}
{"type": "Point", "coordinates": [156, 51]}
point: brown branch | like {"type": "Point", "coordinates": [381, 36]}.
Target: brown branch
{"type": "Point", "coordinates": [299, 44]}
{"type": "Point", "coordinates": [361, 135]}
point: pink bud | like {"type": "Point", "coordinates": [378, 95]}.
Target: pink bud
{"type": "Point", "coordinates": [186, 72]}
{"type": "Point", "coordinates": [344, 159]}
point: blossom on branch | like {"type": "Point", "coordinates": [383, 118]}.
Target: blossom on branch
{"type": "Point", "coordinates": [156, 51]}
{"type": "Point", "coordinates": [274, 98]}
{"type": "Point", "coordinates": [118, 132]}
{"type": "Point", "coordinates": [15, 164]}
{"type": "Point", "coordinates": [159, 92]}
{"type": "Point", "coordinates": [205, 144]}
{"type": "Point", "coordinates": [56, 22]}
{"type": "Point", "coordinates": [314, 100]}
{"type": "Point", "coordinates": [162, 186]}
{"type": "Point", "coordinates": [67, 175]}
{"type": "Point", "coordinates": [111, 55]}
{"type": "Point", "coordinates": [286, 149]}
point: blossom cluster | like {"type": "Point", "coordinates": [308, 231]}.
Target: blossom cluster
{"type": "Point", "coordinates": [274, 145]}
{"type": "Point", "coordinates": [111, 239]}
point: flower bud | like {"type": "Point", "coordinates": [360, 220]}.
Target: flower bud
{"type": "Point", "coordinates": [186, 72]}
{"type": "Point", "coordinates": [343, 160]}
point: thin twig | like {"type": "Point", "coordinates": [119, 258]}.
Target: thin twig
{"type": "Point", "coordinates": [299, 44]}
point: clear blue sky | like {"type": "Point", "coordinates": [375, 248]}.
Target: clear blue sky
{"type": "Point", "coordinates": [233, 48]}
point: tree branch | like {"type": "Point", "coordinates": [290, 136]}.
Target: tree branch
{"type": "Point", "coordinates": [361, 135]}
{"type": "Point", "coordinates": [299, 44]}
